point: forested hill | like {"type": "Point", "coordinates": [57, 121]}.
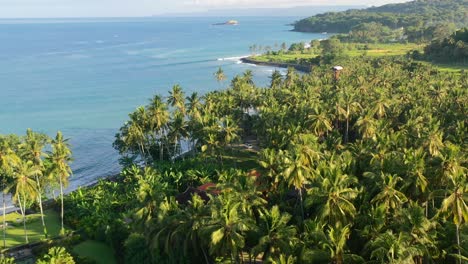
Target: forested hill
{"type": "Point", "coordinates": [415, 15]}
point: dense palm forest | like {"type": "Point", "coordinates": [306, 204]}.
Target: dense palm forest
{"type": "Point", "coordinates": [420, 20]}
{"type": "Point", "coordinates": [367, 168]}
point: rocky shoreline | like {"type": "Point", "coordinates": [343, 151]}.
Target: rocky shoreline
{"type": "Point", "coordinates": [299, 67]}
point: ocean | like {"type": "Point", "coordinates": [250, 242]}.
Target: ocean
{"type": "Point", "coordinates": [84, 76]}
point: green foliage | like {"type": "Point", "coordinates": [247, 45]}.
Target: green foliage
{"type": "Point", "coordinates": [451, 49]}
{"type": "Point", "coordinates": [135, 250]}
{"type": "Point", "coordinates": [4, 260]}
{"type": "Point", "coordinates": [57, 255]}
{"type": "Point", "coordinates": [369, 167]}
{"type": "Point", "coordinates": [421, 20]}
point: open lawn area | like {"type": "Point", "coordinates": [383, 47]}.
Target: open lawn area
{"type": "Point", "coordinates": [241, 158]}
{"type": "Point", "coordinates": [373, 50]}
{"type": "Point", "coordinates": [15, 231]}
{"type": "Point", "coordinates": [96, 251]}
{"type": "Point", "coordinates": [451, 67]}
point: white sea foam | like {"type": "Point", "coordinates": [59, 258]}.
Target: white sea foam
{"type": "Point", "coordinates": [238, 58]}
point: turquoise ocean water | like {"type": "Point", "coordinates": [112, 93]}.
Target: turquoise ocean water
{"type": "Point", "coordinates": [83, 76]}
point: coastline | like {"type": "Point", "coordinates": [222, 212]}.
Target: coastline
{"type": "Point", "coordinates": [299, 67]}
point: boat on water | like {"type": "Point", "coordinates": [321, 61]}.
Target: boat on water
{"type": "Point", "coordinates": [228, 23]}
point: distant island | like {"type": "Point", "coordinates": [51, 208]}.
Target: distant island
{"type": "Point", "coordinates": [228, 23]}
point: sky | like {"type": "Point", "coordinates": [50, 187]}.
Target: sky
{"type": "Point", "coordinates": [136, 8]}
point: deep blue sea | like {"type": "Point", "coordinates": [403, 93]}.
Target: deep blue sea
{"type": "Point", "coordinates": [83, 76]}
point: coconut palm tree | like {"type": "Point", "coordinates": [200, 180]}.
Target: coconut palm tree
{"type": "Point", "coordinates": [276, 79]}
{"type": "Point", "coordinates": [32, 149]}
{"type": "Point", "coordinates": [219, 75]}
{"type": "Point", "coordinates": [275, 233]}
{"type": "Point", "coordinates": [248, 77]}
{"type": "Point", "coordinates": [336, 242]}
{"type": "Point", "coordinates": [367, 126]}
{"type": "Point", "coordinates": [177, 129]}
{"type": "Point", "coordinates": [389, 196]}
{"type": "Point", "coordinates": [347, 107]}
{"type": "Point", "coordinates": [456, 206]}
{"type": "Point", "coordinates": [227, 228]}
{"type": "Point", "coordinates": [158, 118]}
{"type": "Point", "coordinates": [8, 161]}
{"type": "Point", "coordinates": [229, 131]}
{"type": "Point", "coordinates": [319, 123]}
{"type": "Point", "coordinates": [297, 174]}
{"type": "Point", "coordinates": [177, 99]}
{"type": "Point", "coordinates": [334, 195]}
{"type": "Point", "coordinates": [60, 158]}
{"type": "Point", "coordinates": [393, 248]}
{"type": "Point", "coordinates": [24, 188]}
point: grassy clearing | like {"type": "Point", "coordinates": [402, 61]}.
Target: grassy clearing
{"type": "Point", "coordinates": [373, 50]}
{"type": "Point", "coordinates": [240, 158]}
{"type": "Point", "coordinates": [451, 67]}
{"type": "Point", "coordinates": [96, 251]}
{"type": "Point", "coordinates": [15, 232]}
{"type": "Point", "coordinates": [377, 50]}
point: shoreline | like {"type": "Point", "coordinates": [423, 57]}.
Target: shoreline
{"type": "Point", "coordinates": [299, 67]}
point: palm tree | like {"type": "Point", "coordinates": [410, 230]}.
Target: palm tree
{"type": "Point", "coordinates": [297, 174]}
{"type": "Point", "coordinates": [177, 129]}
{"type": "Point", "coordinates": [412, 220]}
{"type": "Point", "coordinates": [275, 232]}
{"type": "Point", "coordinates": [271, 161]}
{"type": "Point", "coordinates": [456, 205]}
{"type": "Point", "coordinates": [291, 77]}
{"type": "Point", "coordinates": [337, 238]}
{"type": "Point", "coordinates": [32, 147]}
{"type": "Point", "coordinates": [177, 99]}
{"type": "Point", "coordinates": [393, 248]}
{"type": "Point", "coordinates": [319, 123]}
{"type": "Point", "coordinates": [227, 228]}
{"type": "Point", "coordinates": [8, 161]}
{"type": "Point", "coordinates": [334, 195]}
{"type": "Point", "coordinates": [248, 77]}
{"type": "Point", "coordinates": [347, 106]}
{"type": "Point", "coordinates": [60, 170]}
{"type": "Point", "coordinates": [219, 75]}
{"type": "Point", "coordinates": [276, 79]}
{"type": "Point", "coordinates": [25, 188]}
{"type": "Point", "coordinates": [390, 196]}
{"type": "Point", "coordinates": [158, 117]}
{"type": "Point", "coordinates": [229, 131]}
{"type": "Point", "coordinates": [367, 126]}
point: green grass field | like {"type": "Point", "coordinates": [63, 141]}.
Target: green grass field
{"type": "Point", "coordinates": [97, 251]}
{"type": "Point", "coordinates": [15, 231]}
{"type": "Point", "coordinates": [374, 50]}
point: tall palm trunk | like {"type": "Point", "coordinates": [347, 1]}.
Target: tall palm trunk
{"type": "Point", "coordinates": [347, 130]}
{"type": "Point", "coordinates": [39, 200]}
{"type": "Point", "coordinates": [22, 209]}
{"type": "Point", "coordinates": [161, 151]}
{"type": "Point", "coordinates": [302, 205]}
{"type": "Point", "coordinates": [62, 230]}
{"type": "Point", "coordinates": [4, 217]}
{"type": "Point", "coordinates": [458, 242]}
